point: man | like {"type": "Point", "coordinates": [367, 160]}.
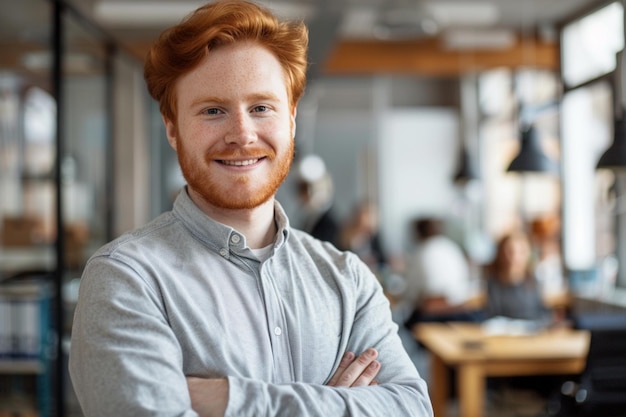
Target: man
{"type": "Point", "coordinates": [219, 308]}
{"type": "Point", "coordinates": [439, 286]}
{"type": "Point", "coordinates": [315, 192]}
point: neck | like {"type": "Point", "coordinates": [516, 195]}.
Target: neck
{"type": "Point", "coordinates": [256, 224]}
{"type": "Point", "coordinates": [514, 275]}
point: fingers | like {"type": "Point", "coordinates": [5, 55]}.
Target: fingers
{"type": "Point", "coordinates": [357, 372]}
{"type": "Point", "coordinates": [367, 376]}
{"type": "Point", "coordinates": [209, 397]}
{"type": "Point", "coordinates": [347, 359]}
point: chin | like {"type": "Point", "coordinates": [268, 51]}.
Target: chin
{"type": "Point", "coordinates": [229, 200]}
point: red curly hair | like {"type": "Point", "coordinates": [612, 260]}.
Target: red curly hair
{"type": "Point", "coordinates": [180, 48]}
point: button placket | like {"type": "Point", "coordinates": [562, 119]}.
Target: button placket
{"type": "Point", "coordinates": [276, 326]}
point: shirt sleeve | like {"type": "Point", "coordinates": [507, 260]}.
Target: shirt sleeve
{"type": "Point", "coordinates": [120, 370]}
{"type": "Point", "coordinates": [401, 390]}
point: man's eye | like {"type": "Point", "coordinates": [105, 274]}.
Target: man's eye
{"type": "Point", "coordinates": [212, 111]}
{"type": "Point", "coordinates": [260, 109]}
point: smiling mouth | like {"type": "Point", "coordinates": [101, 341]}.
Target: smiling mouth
{"type": "Point", "coordinates": [240, 163]}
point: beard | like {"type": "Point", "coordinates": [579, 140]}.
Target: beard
{"type": "Point", "coordinates": [244, 190]}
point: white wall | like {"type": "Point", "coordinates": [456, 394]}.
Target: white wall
{"type": "Point", "coordinates": [417, 160]}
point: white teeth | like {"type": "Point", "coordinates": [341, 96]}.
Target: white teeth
{"type": "Point", "coordinates": [241, 163]}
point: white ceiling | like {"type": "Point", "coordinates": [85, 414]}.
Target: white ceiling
{"type": "Point", "coordinates": [143, 19]}
{"type": "Point", "coordinates": [462, 23]}
{"type": "Point", "coordinates": [357, 18]}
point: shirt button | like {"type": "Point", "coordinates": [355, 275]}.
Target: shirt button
{"type": "Point", "coordinates": [235, 239]}
{"type": "Point", "coordinates": [278, 331]}
{"type": "Point", "coordinates": [224, 252]}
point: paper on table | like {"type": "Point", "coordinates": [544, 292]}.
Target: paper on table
{"type": "Point", "coordinates": [501, 325]}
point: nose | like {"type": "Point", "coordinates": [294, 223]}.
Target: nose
{"type": "Point", "coordinates": [242, 130]}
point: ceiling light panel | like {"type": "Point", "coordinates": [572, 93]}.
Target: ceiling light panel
{"type": "Point", "coordinates": [119, 13]}
{"type": "Point", "coordinates": [464, 13]}
{"type": "Point", "coordinates": [150, 13]}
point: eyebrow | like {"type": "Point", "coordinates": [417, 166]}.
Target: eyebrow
{"type": "Point", "coordinates": [252, 97]}
{"type": "Point", "coordinates": [263, 96]}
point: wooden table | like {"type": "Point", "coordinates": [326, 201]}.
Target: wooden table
{"type": "Point", "coordinates": [476, 355]}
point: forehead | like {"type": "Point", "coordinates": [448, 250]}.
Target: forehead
{"type": "Point", "coordinates": [517, 242]}
{"type": "Point", "coordinates": [236, 69]}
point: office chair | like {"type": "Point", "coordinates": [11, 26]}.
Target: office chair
{"type": "Point", "coordinates": [600, 390]}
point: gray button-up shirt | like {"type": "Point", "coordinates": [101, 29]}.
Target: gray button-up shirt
{"type": "Point", "coordinates": [184, 296]}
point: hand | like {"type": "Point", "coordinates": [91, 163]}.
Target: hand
{"type": "Point", "coordinates": [209, 397]}
{"type": "Point", "coordinates": [356, 372]}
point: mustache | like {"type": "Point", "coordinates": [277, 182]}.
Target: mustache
{"type": "Point", "coordinates": [251, 153]}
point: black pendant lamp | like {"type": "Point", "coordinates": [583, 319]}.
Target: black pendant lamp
{"type": "Point", "coordinates": [531, 157]}
{"type": "Point", "coordinates": [466, 171]}
{"type": "Point", "coordinates": [615, 156]}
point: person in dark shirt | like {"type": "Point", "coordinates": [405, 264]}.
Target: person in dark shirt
{"type": "Point", "coordinates": [360, 234]}
{"type": "Point", "coordinates": [315, 193]}
{"type": "Point", "coordinates": [512, 289]}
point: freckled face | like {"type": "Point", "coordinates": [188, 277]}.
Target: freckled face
{"type": "Point", "coordinates": [234, 130]}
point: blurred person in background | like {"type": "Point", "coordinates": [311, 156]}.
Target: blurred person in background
{"type": "Point", "coordinates": [439, 283]}
{"type": "Point", "coordinates": [360, 234]}
{"type": "Point", "coordinates": [546, 252]}
{"type": "Point", "coordinates": [512, 288]}
{"type": "Point", "coordinates": [315, 191]}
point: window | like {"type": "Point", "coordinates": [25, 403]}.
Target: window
{"type": "Point", "coordinates": [590, 43]}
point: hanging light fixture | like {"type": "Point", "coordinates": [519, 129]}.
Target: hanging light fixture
{"type": "Point", "coordinates": [466, 171]}
{"type": "Point", "coordinates": [531, 157]}
{"type": "Point", "coordinates": [467, 162]}
{"type": "Point", "coordinates": [615, 156]}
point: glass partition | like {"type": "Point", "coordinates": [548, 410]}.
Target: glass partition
{"type": "Point", "coordinates": [586, 130]}
{"type": "Point", "coordinates": [27, 139]}
{"type": "Point", "coordinates": [591, 197]}
{"type": "Point", "coordinates": [51, 200]}
{"type": "Point", "coordinates": [86, 143]}
{"type": "Point", "coordinates": [27, 209]}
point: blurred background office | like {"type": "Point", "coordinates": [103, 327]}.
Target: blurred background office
{"type": "Point", "coordinates": [488, 113]}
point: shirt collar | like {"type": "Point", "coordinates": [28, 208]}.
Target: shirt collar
{"type": "Point", "coordinates": [221, 237]}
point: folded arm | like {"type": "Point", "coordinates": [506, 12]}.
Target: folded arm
{"type": "Point", "coordinates": [209, 397]}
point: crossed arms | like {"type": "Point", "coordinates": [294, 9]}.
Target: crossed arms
{"type": "Point", "coordinates": [209, 397]}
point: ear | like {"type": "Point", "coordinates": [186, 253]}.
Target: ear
{"type": "Point", "coordinates": [171, 131]}
{"type": "Point", "coordinates": [294, 112]}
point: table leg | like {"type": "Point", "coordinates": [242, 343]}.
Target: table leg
{"type": "Point", "coordinates": [471, 390]}
{"type": "Point", "coordinates": [439, 386]}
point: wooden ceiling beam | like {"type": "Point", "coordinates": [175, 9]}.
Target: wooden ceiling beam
{"type": "Point", "coordinates": [428, 58]}
{"type": "Point", "coordinates": [425, 57]}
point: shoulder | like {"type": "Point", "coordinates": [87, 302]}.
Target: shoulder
{"type": "Point", "coordinates": [322, 250]}
{"type": "Point", "coordinates": [444, 243]}
{"type": "Point", "coordinates": [325, 256]}
{"type": "Point", "coordinates": [164, 233]}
